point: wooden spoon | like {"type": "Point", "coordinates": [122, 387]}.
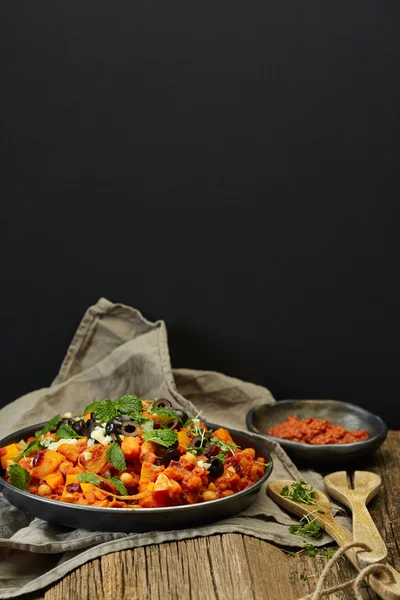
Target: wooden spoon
{"type": "Point", "coordinates": [366, 486]}
{"type": "Point", "coordinates": [380, 581]}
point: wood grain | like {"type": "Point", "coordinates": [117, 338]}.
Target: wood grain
{"type": "Point", "coordinates": [232, 566]}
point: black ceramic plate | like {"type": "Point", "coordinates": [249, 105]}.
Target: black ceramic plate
{"type": "Point", "coordinates": [134, 520]}
{"type": "Point", "coordinates": [348, 415]}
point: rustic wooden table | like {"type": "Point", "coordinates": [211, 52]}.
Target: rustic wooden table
{"type": "Point", "coordinates": [232, 566]}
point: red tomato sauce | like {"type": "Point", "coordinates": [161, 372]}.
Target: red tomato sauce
{"type": "Point", "coordinates": [315, 431]}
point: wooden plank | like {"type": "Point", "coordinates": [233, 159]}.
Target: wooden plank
{"type": "Point", "coordinates": [231, 566]}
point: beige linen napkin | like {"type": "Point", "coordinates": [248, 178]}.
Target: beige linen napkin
{"type": "Point", "coordinates": [116, 351]}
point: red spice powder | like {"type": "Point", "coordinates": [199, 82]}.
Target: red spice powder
{"type": "Point", "coordinates": [315, 431]}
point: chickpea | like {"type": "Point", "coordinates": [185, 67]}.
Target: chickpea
{"type": "Point", "coordinates": [127, 480]}
{"type": "Point", "coordinates": [44, 490]}
{"type": "Point", "coordinates": [65, 467]}
{"type": "Point", "coordinates": [209, 495]}
{"type": "Point", "coordinates": [211, 486]}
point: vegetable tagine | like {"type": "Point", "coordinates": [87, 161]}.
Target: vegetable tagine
{"type": "Point", "coordinates": [130, 453]}
{"type": "Point", "coordinates": [315, 431]}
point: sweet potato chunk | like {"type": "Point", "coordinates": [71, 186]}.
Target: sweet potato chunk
{"type": "Point", "coordinates": [183, 441]}
{"type": "Point", "coordinates": [223, 434]}
{"type": "Point", "coordinates": [70, 451]}
{"type": "Point", "coordinates": [98, 462]}
{"type": "Point", "coordinates": [47, 462]}
{"type": "Point", "coordinates": [166, 492]}
{"type": "Point", "coordinates": [130, 446]}
{"type": "Point", "coordinates": [11, 451]}
{"type": "Point", "coordinates": [54, 480]}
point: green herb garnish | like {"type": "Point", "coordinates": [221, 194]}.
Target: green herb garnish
{"type": "Point", "coordinates": [129, 404]}
{"type": "Point", "coordinates": [166, 413]}
{"type": "Point", "coordinates": [52, 424]}
{"type": "Point", "coordinates": [66, 432]}
{"type": "Point", "coordinates": [106, 411]}
{"type": "Point", "coordinates": [115, 457]}
{"type": "Point", "coordinates": [147, 425]}
{"type": "Point", "coordinates": [164, 437]}
{"type": "Point", "coordinates": [299, 492]}
{"type": "Point", "coordinates": [310, 528]}
{"type": "Point", "coordinates": [88, 478]}
{"type": "Point", "coordinates": [305, 577]}
{"type": "Point", "coordinates": [119, 485]}
{"type": "Point", "coordinates": [19, 477]}
{"type": "Point", "coordinates": [33, 446]}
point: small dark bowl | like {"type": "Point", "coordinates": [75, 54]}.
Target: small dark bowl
{"type": "Point", "coordinates": [352, 417]}
{"type": "Point", "coordinates": [128, 520]}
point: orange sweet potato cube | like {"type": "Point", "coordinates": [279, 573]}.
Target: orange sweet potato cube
{"type": "Point", "coordinates": [166, 492]}
{"type": "Point", "coordinates": [223, 434]}
{"type": "Point", "coordinates": [47, 463]}
{"type": "Point", "coordinates": [130, 446]}
{"type": "Point", "coordinates": [183, 440]}
{"type": "Point", "coordinates": [54, 480]}
{"type": "Point", "coordinates": [70, 451]}
{"type": "Point", "coordinates": [11, 451]}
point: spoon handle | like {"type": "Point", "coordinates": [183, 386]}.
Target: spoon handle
{"type": "Point", "coordinates": [364, 528]}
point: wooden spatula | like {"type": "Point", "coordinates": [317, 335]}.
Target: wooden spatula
{"type": "Point", "coordinates": [379, 582]}
{"type": "Point", "coordinates": [365, 487]}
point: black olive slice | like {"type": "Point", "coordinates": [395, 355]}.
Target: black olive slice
{"type": "Point", "coordinates": [200, 442]}
{"type": "Point", "coordinates": [130, 428]}
{"type": "Point", "coordinates": [181, 415]}
{"type": "Point", "coordinates": [90, 425]}
{"type": "Point", "coordinates": [173, 424]}
{"type": "Point", "coordinates": [162, 403]}
{"type": "Point", "coordinates": [113, 426]}
{"type": "Point", "coordinates": [114, 437]}
{"type": "Point", "coordinates": [79, 427]}
{"type": "Point", "coordinates": [170, 454]}
{"type": "Point", "coordinates": [216, 467]}
{"type": "Point", "coordinates": [66, 421]}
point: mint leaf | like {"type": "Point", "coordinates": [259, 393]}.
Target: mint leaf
{"type": "Point", "coordinates": [119, 485]}
{"type": "Point", "coordinates": [115, 457]}
{"type": "Point", "coordinates": [105, 411]}
{"type": "Point", "coordinates": [129, 404]}
{"type": "Point", "coordinates": [88, 478]}
{"type": "Point", "coordinates": [164, 437]}
{"type": "Point", "coordinates": [52, 424]}
{"type": "Point", "coordinates": [19, 477]}
{"type": "Point", "coordinates": [32, 447]}
{"type": "Point", "coordinates": [92, 407]}
{"type": "Point", "coordinates": [147, 425]}
{"type": "Point", "coordinates": [166, 413]}
{"type": "Point", "coordinates": [66, 432]}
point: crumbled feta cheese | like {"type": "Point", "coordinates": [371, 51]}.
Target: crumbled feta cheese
{"type": "Point", "coordinates": [98, 435]}
{"type": "Point", "coordinates": [55, 445]}
{"type": "Point", "coordinates": [90, 443]}
{"type": "Point", "coordinates": [207, 466]}
{"type": "Point", "coordinates": [87, 455]}
{"type": "Point", "coordinates": [67, 415]}
{"type": "Point", "coordinates": [200, 464]}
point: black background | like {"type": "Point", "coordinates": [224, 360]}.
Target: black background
{"type": "Point", "coordinates": [230, 167]}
